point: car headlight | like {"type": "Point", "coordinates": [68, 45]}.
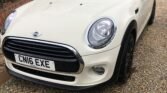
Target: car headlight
{"type": "Point", "coordinates": [101, 33]}
{"type": "Point", "coordinates": [8, 21]}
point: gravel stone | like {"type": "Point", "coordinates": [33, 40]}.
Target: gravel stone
{"type": "Point", "coordinates": [1, 63]}
{"type": "Point", "coordinates": [150, 65]}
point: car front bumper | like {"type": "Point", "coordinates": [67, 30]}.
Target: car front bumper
{"type": "Point", "coordinates": [87, 78]}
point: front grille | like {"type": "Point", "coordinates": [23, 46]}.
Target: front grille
{"type": "Point", "coordinates": [44, 74]}
{"type": "Point", "coordinates": [64, 58]}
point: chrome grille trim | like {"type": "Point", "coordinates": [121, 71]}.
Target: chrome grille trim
{"type": "Point", "coordinates": [52, 43]}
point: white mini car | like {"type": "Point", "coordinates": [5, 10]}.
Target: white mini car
{"type": "Point", "coordinates": [74, 44]}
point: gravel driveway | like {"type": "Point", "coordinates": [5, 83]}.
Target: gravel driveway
{"type": "Point", "coordinates": [150, 65]}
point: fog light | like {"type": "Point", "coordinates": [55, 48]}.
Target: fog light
{"type": "Point", "coordinates": [98, 69]}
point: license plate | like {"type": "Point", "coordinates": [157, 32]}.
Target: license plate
{"type": "Point", "coordinates": [35, 62]}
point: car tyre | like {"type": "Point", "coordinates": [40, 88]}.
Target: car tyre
{"type": "Point", "coordinates": [152, 17]}
{"type": "Point", "coordinates": [126, 59]}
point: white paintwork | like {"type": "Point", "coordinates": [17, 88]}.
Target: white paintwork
{"type": "Point", "coordinates": [67, 22]}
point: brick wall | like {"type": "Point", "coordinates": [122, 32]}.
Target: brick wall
{"type": "Point", "coordinates": [8, 7]}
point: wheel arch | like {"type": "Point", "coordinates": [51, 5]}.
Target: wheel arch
{"type": "Point", "coordinates": [131, 28]}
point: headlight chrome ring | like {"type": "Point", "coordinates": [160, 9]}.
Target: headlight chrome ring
{"type": "Point", "coordinates": [101, 33]}
{"type": "Point", "coordinates": [8, 21]}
